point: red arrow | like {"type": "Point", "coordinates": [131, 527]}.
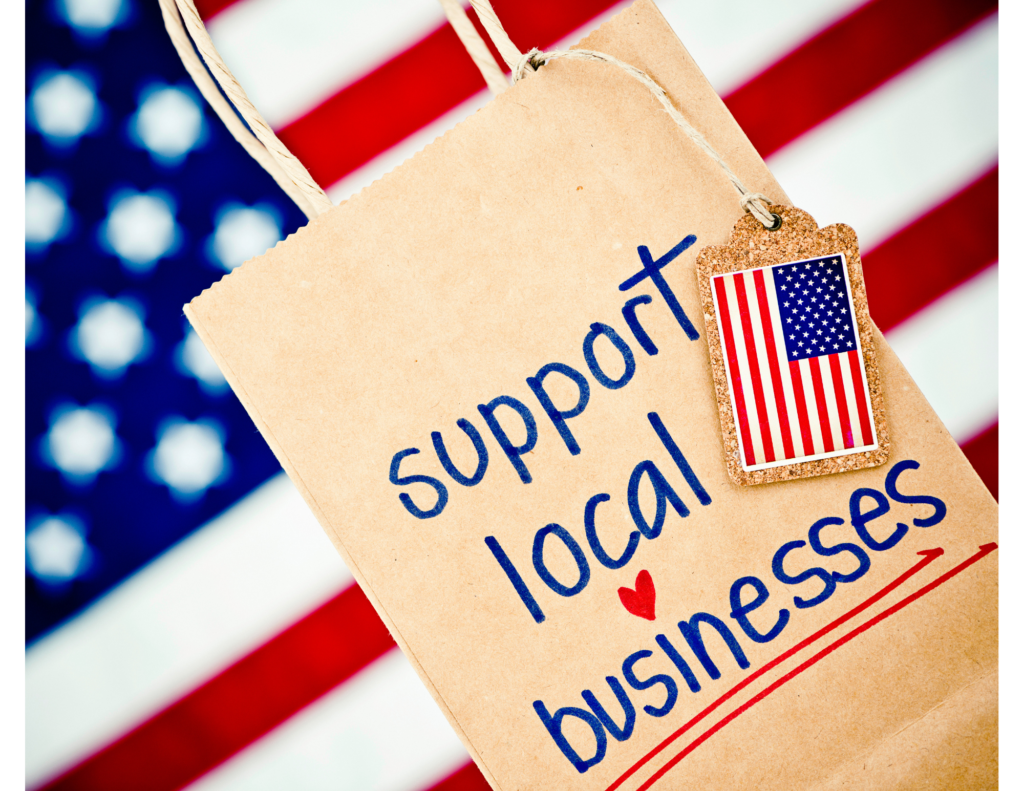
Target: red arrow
{"type": "Point", "coordinates": [930, 555]}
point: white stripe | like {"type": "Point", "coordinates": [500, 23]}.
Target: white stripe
{"type": "Point", "coordinates": [787, 377]}
{"type": "Point", "coordinates": [236, 582]}
{"type": "Point", "coordinates": [892, 156]}
{"type": "Point", "coordinates": [379, 731]}
{"type": "Point", "coordinates": [851, 399]}
{"type": "Point", "coordinates": [291, 55]}
{"type": "Point", "coordinates": [950, 349]}
{"type": "Point", "coordinates": [734, 41]}
{"type": "Point", "coordinates": [830, 402]}
{"type": "Point", "coordinates": [812, 405]}
{"type": "Point", "coordinates": [746, 383]}
{"type": "Point", "coordinates": [761, 350]}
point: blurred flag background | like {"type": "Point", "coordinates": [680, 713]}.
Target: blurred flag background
{"type": "Point", "coordinates": [188, 624]}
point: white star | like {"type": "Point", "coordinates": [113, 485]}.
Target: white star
{"type": "Point", "coordinates": [63, 107]}
{"type": "Point", "coordinates": [46, 213]}
{"type": "Point", "coordinates": [194, 360]}
{"type": "Point", "coordinates": [32, 320]}
{"type": "Point", "coordinates": [81, 442]}
{"type": "Point", "coordinates": [110, 335]}
{"type": "Point", "coordinates": [807, 266]}
{"type": "Point", "coordinates": [140, 228]}
{"type": "Point", "coordinates": [849, 343]}
{"type": "Point", "coordinates": [55, 549]}
{"type": "Point", "coordinates": [792, 337]}
{"type": "Point", "coordinates": [92, 18]}
{"type": "Point", "coordinates": [843, 310]}
{"type": "Point", "coordinates": [188, 457]}
{"type": "Point", "coordinates": [169, 123]}
{"type": "Point", "coordinates": [801, 343]}
{"type": "Point", "coordinates": [242, 233]}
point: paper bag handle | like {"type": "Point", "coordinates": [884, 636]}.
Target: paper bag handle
{"type": "Point", "coordinates": [185, 27]}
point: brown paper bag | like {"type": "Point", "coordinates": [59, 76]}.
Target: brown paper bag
{"type": "Point", "coordinates": [452, 369]}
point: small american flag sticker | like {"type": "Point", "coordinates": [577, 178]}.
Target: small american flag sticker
{"type": "Point", "coordinates": [794, 363]}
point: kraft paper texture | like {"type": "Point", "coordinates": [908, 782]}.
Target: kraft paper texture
{"type": "Point", "coordinates": [495, 252]}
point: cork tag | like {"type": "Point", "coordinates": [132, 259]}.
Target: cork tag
{"type": "Point", "coordinates": [795, 371]}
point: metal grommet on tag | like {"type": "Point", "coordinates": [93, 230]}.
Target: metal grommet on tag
{"type": "Point", "coordinates": [776, 225]}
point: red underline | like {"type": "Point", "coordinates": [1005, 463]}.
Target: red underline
{"type": "Point", "coordinates": [929, 555]}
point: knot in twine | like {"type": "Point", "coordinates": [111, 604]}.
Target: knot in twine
{"type": "Point", "coordinates": [530, 61]}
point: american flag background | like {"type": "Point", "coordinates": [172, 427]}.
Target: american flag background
{"type": "Point", "coordinates": [188, 624]}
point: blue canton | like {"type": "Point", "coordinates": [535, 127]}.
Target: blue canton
{"type": "Point", "coordinates": [815, 308]}
{"type": "Point", "coordinates": [136, 199]}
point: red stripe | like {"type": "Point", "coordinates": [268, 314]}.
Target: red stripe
{"type": "Point", "coordinates": [468, 778]}
{"type": "Point", "coordinates": [883, 37]}
{"type": "Point", "coordinates": [866, 431]}
{"type": "Point", "coordinates": [210, 8]}
{"type": "Point", "coordinates": [773, 363]}
{"type": "Point", "coordinates": [242, 703]}
{"type": "Point", "coordinates": [983, 452]}
{"type": "Point", "coordinates": [414, 88]}
{"type": "Point", "coordinates": [801, 408]}
{"type": "Point", "coordinates": [819, 399]}
{"type": "Point", "coordinates": [934, 254]}
{"type": "Point", "coordinates": [755, 368]}
{"type": "Point", "coordinates": [840, 390]}
{"type": "Point", "coordinates": [734, 371]}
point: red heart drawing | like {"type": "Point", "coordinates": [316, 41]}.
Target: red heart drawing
{"type": "Point", "coordinates": [640, 602]}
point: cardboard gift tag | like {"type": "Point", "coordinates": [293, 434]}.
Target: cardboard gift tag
{"type": "Point", "coordinates": [791, 350]}
{"type": "Point", "coordinates": [487, 375]}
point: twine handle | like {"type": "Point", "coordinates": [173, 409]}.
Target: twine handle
{"type": "Point", "coordinates": [489, 19]}
{"type": "Point", "coordinates": [477, 48]}
{"type": "Point", "coordinates": [185, 27]}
